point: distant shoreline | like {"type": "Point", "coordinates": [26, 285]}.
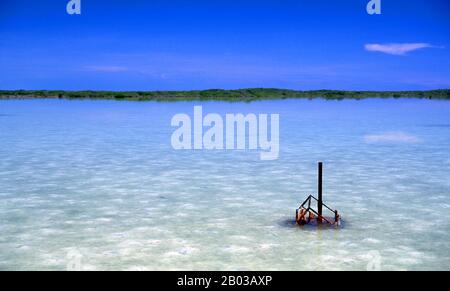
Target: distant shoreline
{"type": "Point", "coordinates": [240, 95]}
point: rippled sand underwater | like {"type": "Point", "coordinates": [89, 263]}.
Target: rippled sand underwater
{"type": "Point", "coordinates": [95, 185]}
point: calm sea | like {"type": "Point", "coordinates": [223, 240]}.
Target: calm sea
{"type": "Point", "coordinates": [97, 185]}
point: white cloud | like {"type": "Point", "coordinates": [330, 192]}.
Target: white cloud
{"type": "Point", "coordinates": [397, 49]}
{"type": "Point", "coordinates": [391, 137]}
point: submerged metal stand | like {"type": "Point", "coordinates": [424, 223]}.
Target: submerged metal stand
{"type": "Point", "coordinates": [306, 214]}
{"type": "Point", "coordinates": [319, 188]}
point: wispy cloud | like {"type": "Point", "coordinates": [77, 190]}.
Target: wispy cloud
{"type": "Point", "coordinates": [397, 49]}
{"type": "Point", "coordinates": [106, 69]}
{"type": "Point", "coordinates": [391, 137]}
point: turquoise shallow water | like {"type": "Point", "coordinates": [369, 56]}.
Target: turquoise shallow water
{"type": "Point", "coordinates": [99, 179]}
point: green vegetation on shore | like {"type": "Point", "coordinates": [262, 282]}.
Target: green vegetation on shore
{"type": "Point", "coordinates": [246, 95]}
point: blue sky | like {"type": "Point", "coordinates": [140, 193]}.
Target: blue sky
{"type": "Point", "coordinates": [181, 45]}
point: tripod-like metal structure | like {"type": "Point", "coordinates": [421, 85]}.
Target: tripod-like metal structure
{"type": "Point", "coordinates": [308, 214]}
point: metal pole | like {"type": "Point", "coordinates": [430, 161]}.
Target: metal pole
{"type": "Point", "coordinates": [320, 202]}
